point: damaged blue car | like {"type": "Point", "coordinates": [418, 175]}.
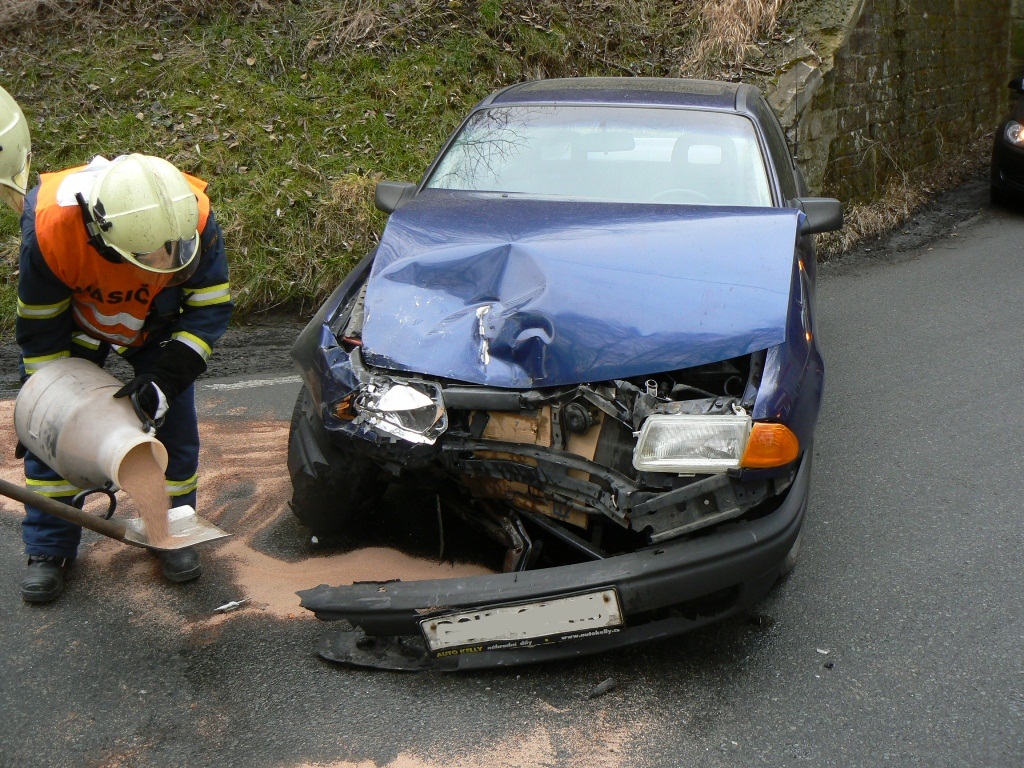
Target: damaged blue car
{"type": "Point", "coordinates": [589, 331]}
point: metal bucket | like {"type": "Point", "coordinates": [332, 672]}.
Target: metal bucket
{"type": "Point", "coordinates": [66, 415]}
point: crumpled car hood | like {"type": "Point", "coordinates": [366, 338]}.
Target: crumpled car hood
{"type": "Point", "coordinates": [491, 289]}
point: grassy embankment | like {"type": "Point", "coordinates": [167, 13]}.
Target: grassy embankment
{"type": "Point", "coordinates": [294, 110]}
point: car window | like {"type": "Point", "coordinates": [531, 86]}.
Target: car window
{"type": "Point", "coordinates": [613, 154]}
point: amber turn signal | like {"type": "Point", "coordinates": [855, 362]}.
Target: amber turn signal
{"type": "Point", "coordinates": [344, 409]}
{"type": "Point", "coordinates": [770, 445]}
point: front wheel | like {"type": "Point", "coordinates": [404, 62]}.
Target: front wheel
{"type": "Point", "coordinates": [333, 489]}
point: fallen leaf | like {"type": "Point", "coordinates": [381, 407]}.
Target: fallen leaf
{"type": "Point", "coordinates": [157, 56]}
{"type": "Point", "coordinates": [251, 60]}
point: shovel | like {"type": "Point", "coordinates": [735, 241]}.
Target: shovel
{"type": "Point", "coordinates": [186, 527]}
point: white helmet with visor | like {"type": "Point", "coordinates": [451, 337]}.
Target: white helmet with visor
{"type": "Point", "coordinates": [15, 152]}
{"type": "Point", "coordinates": [143, 208]}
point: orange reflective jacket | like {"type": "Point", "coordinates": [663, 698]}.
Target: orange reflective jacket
{"type": "Point", "coordinates": [109, 301]}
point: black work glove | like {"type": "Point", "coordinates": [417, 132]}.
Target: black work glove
{"type": "Point", "coordinates": [176, 370]}
{"type": "Point", "coordinates": [148, 395]}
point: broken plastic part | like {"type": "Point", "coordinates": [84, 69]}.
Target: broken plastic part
{"type": "Point", "coordinates": [412, 411]}
{"type": "Point", "coordinates": [234, 605]}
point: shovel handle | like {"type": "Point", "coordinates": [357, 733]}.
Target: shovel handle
{"type": "Point", "coordinates": [115, 529]}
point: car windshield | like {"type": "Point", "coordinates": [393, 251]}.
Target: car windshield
{"type": "Point", "coordinates": [610, 154]}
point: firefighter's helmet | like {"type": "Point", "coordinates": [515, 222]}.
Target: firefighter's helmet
{"type": "Point", "coordinates": [144, 209]}
{"type": "Point", "coordinates": [15, 152]}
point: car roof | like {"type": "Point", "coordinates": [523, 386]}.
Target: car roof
{"type": "Point", "coordinates": [634, 91]}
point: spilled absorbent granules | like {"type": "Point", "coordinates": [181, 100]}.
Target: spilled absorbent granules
{"type": "Point", "coordinates": [142, 478]}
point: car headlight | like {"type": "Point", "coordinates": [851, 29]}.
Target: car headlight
{"type": "Point", "coordinates": [706, 445]}
{"type": "Point", "coordinates": [412, 411]}
{"type": "Point", "coordinates": [1014, 133]}
{"type": "Point", "coordinates": [691, 444]}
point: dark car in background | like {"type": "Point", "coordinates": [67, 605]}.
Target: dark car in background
{"type": "Point", "coordinates": [589, 330]}
{"type": "Point", "coordinates": [1007, 174]}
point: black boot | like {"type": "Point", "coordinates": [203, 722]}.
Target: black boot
{"type": "Point", "coordinates": [44, 578]}
{"type": "Point", "coordinates": [180, 564]}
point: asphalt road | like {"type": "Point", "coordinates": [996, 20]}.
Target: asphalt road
{"type": "Point", "coordinates": [896, 641]}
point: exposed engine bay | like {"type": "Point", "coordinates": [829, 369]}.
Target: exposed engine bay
{"type": "Point", "coordinates": [549, 473]}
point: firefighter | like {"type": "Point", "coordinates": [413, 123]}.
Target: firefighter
{"type": "Point", "coordinates": [15, 152]}
{"type": "Point", "coordinates": [121, 255]}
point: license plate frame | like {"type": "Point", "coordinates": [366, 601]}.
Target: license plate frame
{"type": "Point", "coordinates": [524, 624]}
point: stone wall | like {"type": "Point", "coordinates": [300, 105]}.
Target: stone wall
{"type": "Point", "coordinates": [905, 81]}
{"type": "Point", "coordinates": [1017, 37]}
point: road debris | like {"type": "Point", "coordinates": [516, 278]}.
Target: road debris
{"type": "Point", "coordinates": [605, 686]}
{"type": "Point", "coordinates": [234, 605]}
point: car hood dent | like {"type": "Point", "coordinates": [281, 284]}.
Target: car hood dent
{"type": "Point", "coordinates": [509, 292]}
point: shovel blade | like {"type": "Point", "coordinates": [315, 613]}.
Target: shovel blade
{"type": "Point", "coordinates": [186, 528]}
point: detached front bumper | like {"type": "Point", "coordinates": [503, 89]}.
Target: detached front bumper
{"type": "Point", "coordinates": [663, 591]}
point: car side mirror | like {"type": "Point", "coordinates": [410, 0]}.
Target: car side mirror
{"type": "Point", "coordinates": [389, 196]}
{"type": "Point", "coordinates": [824, 214]}
{"type": "Point", "coordinates": [1017, 84]}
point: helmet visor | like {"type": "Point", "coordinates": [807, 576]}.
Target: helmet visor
{"type": "Point", "coordinates": [172, 256]}
{"type": "Point", "coordinates": [13, 192]}
{"type": "Point", "coordinates": [20, 179]}
{"type": "Point", "coordinates": [13, 198]}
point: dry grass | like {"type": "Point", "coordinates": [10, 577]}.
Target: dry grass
{"type": "Point", "coordinates": [904, 197]}
{"type": "Point", "coordinates": [14, 13]}
{"type": "Point", "coordinates": [729, 29]}
{"type": "Point", "coordinates": [370, 22]}
{"type": "Point", "coordinates": [43, 15]}
{"type": "Point", "coordinates": [865, 221]}
{"type": "Point", "coordinates": [689, 38]}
